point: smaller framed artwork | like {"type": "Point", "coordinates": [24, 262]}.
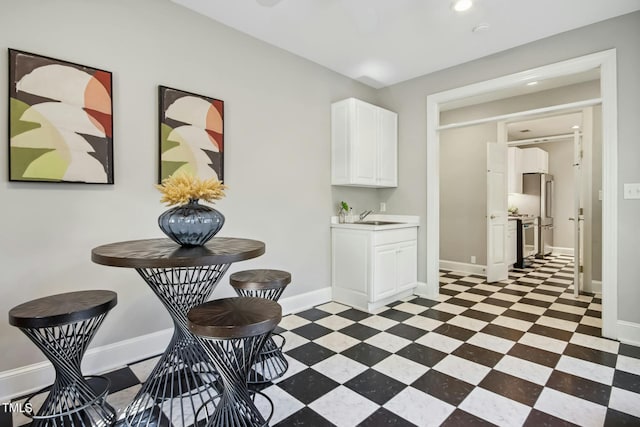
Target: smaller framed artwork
{"type": "Point", "coordinates": [60, 121]}
{"type": "Point", "coordinates": [191, 134]}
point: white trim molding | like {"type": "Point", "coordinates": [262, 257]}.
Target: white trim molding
{"type": "Point", "coordinates": [464, 267]}
{"type": "Point", "coordinates": [557, 250]}
{"type": "Point", "coordinates": [28, 379]}
{"type": "Point", "coordinates": [606, 62]}
{"type": "Point", "coordinates": [301, 302]}
{"type": "Point", "coordinates": [97, 360]}
{"type": "Point", "coordinates": [629, 332]}
{"type": "Point", "coordinates": [427, 291]}
{"type": "Point", "coordinates": [595, 288]}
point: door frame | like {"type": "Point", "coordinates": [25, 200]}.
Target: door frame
{"type": "Point", "coordinates": [606, 61]}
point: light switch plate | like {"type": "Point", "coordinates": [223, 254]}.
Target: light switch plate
{"type": "Point", "coordinates": [632, 191]}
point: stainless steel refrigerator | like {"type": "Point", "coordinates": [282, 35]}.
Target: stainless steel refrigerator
{"type": "Point", "coordinates": [540, 185]}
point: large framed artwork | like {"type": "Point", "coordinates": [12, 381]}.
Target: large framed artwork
{"type": "Point", "coordinates": [191, 134]}
{"type": "Point", "coordinates": [60, 121]}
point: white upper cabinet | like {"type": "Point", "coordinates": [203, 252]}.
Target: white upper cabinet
{"type": "Point", "coordinates": [514, 168]}
{"type": "Point", "coordinates": [534, 160]}
{"type": "Point", "coordinates": [364, 145]}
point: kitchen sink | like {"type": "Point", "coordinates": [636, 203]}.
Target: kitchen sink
{"type": "Point", "coordinates": [377, 222]}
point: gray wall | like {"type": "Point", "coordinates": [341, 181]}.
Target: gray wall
{"type": "Point", "coordinates": [409, 100]}
{"type": "Point", "coordinates": [463, 192]}
{"type": "Point", "coordinates": [277, 111]}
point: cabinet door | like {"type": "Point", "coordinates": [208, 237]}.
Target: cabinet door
{"type": "Point", "coordinates": [535, 160]}
{"type": "Point", "coordinates": [514, 168]}
{"type": "Point", "coordinates": [407, 265]}
{"type": "Point", "coordinates": [364, 144]}
{"type": "Point", "coordinates": [384, 272]}
{"type": "Point", "coordinates": [340, 144]}
{"type": "Point", "coordinates": [387, 148]}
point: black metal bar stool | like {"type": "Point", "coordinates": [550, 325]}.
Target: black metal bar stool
{"type": "Point", "coordinates": [270, 284]}
{"type": "Point", "coordinates": [62, 326]}
{"type": "Point", "coordinates": [233, 331]}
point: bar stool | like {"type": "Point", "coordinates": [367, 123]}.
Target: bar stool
{"type": "Point", "coordinates": [62, 326]}
{"type": "Point", "coordinates": [270, 284]}
{"type": "Point", "coordinates": [233, 331]}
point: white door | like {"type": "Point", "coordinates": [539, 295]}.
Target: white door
{"type": "Point", "coordinates": [497, 267]}
{"type": "Point", "coordinates": [577, 212]}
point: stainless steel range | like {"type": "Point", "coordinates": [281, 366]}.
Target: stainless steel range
{"type": "Point", "coordinates": [526, 239]}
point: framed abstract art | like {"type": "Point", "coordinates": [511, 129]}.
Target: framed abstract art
{"type": "Point", "coordinates": [191, 134]}
{"type": "Point", "coordinates": [60, 121]}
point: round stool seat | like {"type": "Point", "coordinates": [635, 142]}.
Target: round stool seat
{"type": "Point", "coordinates": [62, 326]}
{"type": "Point", "coordinates": [60, 309]}
{"type": "Point", "coordinates": [239, 317]}
{"type": "Point", "coordinates": [270, 284]}
{"type": "Point", "coordinates": [233, 331]}
{"type": "Point", "coordinates": [260, 279]}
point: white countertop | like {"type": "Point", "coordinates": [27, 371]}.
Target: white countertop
{"type": "Point", "coordinates": [404, 221]}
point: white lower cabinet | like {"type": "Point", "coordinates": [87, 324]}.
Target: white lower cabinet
{"type": "Point", "coordinates": [372, 268]}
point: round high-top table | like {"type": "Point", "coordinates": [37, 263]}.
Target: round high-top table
{"type": "Point", "coordinates": [181, 278]}
{"type": "Point", "coordinates": [62, 326]}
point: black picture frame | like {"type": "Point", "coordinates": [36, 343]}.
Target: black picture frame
{"type": "Point", "coordinates": [191, 134]}
{"type": "Point", "coordinates": [60, 121]}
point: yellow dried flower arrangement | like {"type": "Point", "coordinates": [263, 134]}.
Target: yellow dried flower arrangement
{"type": "Point", "coordinates": [182, 187]}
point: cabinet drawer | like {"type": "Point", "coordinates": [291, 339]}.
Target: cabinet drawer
{"type": "Point", "coordinates": [393, 236]}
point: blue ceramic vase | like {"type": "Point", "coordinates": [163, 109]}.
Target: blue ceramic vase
{"type": "Point", "coordinates": [191, 224]}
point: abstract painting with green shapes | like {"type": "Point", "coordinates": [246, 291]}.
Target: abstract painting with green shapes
{"type": "Point", "coordinates": [60, 121]}
{"type": "Point", "coordinates": [191, 134]}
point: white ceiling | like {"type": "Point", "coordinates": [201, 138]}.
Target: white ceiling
{"type": "Point", "coordinates": [383, 42]}
{"type": "Point", "coordinates": [541, 127]}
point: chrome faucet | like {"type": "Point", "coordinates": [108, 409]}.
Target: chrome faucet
{"type": "Point", "coordinates": [364, 214]}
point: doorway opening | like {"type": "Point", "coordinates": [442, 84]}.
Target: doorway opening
{"type": "Point", "coordinates": [605, 62]}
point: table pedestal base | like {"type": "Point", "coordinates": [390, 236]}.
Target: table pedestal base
{"type": "Point", "coordinates": [183, 379]}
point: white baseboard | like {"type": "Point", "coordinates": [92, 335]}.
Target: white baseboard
{"type": "Point", "coordinates": [429, 291]}
{"type": "Point", "coordinates": [596, 288]}
{"type": "Point", "coordinates": [629, 332]}
{"type": "Point", "coordinates": [305, 301]}
{"type": "Point", "coordinates": [562, 251]}
{"type": "Point", "coordinates": [28, 379]}
{"type": "Point", "coordinates": [463, 267]}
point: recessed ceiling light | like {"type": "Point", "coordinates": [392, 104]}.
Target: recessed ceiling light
{"type": "Point", "coordinates": [532, 83]}
{"type": "Point", "coordinates": [462, 5]}
{"type": "Point", "coordinates": [575, 127]}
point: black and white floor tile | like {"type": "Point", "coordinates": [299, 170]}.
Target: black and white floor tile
{"type": "Point", "coordinates": [521, 352]}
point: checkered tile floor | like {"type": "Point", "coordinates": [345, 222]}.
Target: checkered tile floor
{"type": "Point", "coordinates": [519, 352]}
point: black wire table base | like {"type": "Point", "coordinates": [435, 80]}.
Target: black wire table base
{"type": "Point", "coordinates": [235, 405]}
{"type": "Point", "coordinates": [184, 378]}
{"type": "Point", "coordinates": [73, 400]}
{"type": "Point", "coordinates": [270, 363]}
